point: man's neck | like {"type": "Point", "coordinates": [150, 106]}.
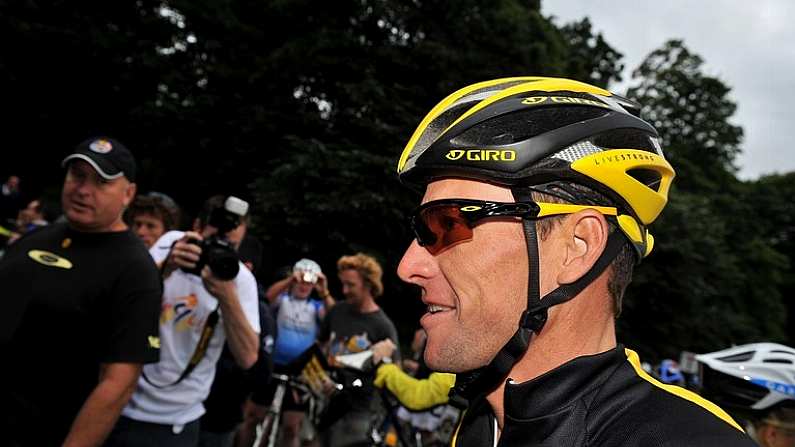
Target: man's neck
{"type": "Point", "coordinates": [366, 305]}
{"type": "Point", "coordinates": [115, 227]}
{"type": "Point", "coordinates": [572, 331]}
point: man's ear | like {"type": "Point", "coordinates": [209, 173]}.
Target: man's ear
{"type": "Point", "coordinates": [129, 194]}
{"type": "Point", "coordinates": [585, 236]}
{"type": "Point", "coordinates": [767, 433]}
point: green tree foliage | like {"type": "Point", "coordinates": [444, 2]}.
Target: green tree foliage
{"type": "Point", "coordinates": [303, 107]}
{"type": "Point", "coordinates": [714, 278]}
{"type": "Point", "coordinates": [692, 112]}
{"type": "Point", "coordinates": [773, 215]}
{"type": "Point", "coordinates": [590, 57]}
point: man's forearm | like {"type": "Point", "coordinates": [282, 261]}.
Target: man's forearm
{"type": "Point", "coordinates": [242, 340]}
{"type": "Point", "coordinates": [102, 408]}
{"type": "Point", "coordinates": [277, 288]}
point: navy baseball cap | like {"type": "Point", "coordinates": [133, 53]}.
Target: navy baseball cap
{"type": "Point", "coordinates": [107, 156]}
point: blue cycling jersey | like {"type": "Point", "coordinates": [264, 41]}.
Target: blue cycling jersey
{"type": "Point", "coordinates": [298, 321]}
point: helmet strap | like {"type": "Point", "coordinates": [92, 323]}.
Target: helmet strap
{"type": "Point", "coordinates": [475, 384]}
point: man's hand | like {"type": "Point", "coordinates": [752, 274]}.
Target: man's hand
{"type": "Point", "coordinates": [322, 291]}
{"type": "Point", "coordinates": [383, 350]}
{"type": "Point", "coordinates": [321, 286]}
{"type": "Point", "coordinates": [328, 387]}
{"type": "Point", "coordinates": [220, 289]}
{"type": "Point", "coordinates": [184, 254]}
{"type": "Point", "coordinates": [253, 411]}
{"type": "Point", "coordinates": [410, 366]}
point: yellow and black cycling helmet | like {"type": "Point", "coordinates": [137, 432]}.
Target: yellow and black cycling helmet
{"type": "Point", "coordinates": [527, 131]}
{"type": "Point", "coordinates": [544, 135]}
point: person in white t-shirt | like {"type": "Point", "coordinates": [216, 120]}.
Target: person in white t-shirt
{"type": "Point", "coordinates": [203, 281]}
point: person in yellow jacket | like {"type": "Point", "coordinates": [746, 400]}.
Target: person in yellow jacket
{"type": "Point", "coordinates": [414, 394]}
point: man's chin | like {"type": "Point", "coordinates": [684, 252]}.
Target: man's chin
{"type": "Point", "coordinates": [447, 362]}
{"type": "Point", "coordinates": [78, 219]}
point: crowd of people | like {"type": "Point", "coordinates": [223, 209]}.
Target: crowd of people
{"type": "Point", "coordinates": [127, 325]}
{"type": "Point", "coordinates": [161, 335]}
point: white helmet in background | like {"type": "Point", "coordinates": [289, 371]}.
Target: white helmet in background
{"type": "Point", "coordinates": [308, 270]}
{"type": "Point", "coordinates": [756, 376]}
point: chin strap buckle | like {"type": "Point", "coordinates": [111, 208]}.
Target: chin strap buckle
{"type": "Point", "coordinates": [534, 320]}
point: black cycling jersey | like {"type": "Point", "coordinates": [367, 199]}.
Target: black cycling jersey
{"type": "Point", "coordinates": [600, 400]}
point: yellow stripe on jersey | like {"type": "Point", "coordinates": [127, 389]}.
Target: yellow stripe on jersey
{"type": "Point", "coordinates": [634, 360]}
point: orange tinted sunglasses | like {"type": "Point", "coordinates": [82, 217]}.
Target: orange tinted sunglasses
{"type": "Point", "coordinates": [442, 223]}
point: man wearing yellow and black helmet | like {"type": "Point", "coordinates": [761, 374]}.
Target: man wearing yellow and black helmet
{"type": "Point", "coordinates": [538, 194]}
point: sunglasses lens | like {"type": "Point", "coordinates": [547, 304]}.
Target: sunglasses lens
{"type": "Point", "coordinates": [441, 226]}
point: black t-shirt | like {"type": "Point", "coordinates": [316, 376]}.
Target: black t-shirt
{"type": "Point", "coordinates": [71, 301]}
{"type": "Point", "coordinates": [349, 331]}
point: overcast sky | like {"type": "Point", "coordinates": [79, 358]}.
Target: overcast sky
{"type": "Point", "coordinates": [750, 46]}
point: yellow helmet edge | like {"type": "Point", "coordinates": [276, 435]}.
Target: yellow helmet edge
{"type": "Point", "coordinates": [442, 106]}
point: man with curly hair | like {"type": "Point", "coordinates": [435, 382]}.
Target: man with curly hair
{"type": "Point", "coordinates": [353, 326]}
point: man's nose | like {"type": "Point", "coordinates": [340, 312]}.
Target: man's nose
{"type": "Point", "coordinates": [417, 264]}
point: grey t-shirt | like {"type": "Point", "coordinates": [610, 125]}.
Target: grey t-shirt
{"type": "Point", "coordinates": [349, 331]}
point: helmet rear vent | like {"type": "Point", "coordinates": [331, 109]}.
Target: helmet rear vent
{"type": "Point", "coordinates": [648, 177]}
{"type": "Point", "coordinates": [741, 357]}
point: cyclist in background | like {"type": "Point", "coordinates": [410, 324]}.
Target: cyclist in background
{"type": "Point", "coordinates": [669, 372]}
{"type": "Point", "coordinates": [298, 319]}
{"type": "Point", "coordinates": [756, 383]}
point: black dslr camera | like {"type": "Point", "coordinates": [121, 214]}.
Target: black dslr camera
{"type": "Point", "coordinates": [217, 251]}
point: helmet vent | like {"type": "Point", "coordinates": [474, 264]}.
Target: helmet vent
{"type": "Point", "coordinates": [627, 139]}
{"type": "Point", "coordinates": [577, 151]}
{"type": "Point", "coordinates": [497, 87]}
{"type": "Point", "coordinates": [438, 125]}
{"type": "Point", "coordinates": [782, 352]}
{"type": "Point", "coordinates": [648, 177]}
{"type": "Point", "coordinates": [522, 124]}
{"type": "Point", "coordinates": [784, 361]}
{"type": "Point", "coordinates": [741, 357]}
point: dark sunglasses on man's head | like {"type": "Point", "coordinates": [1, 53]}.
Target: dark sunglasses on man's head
{"type": "Point", "coordinates": [442, 223]}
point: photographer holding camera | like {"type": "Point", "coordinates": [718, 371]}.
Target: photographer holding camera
{"type": "Point", "coordinates": [209, 298]}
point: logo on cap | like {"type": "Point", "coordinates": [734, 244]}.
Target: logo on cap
{"type": "Point", "coordinates": [100, 146]}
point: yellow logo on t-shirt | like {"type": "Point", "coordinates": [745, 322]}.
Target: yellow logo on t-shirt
{"type": "Point", "coordinates": [154, 342]}
{"type": "Point", "coordinates": [50, 259]}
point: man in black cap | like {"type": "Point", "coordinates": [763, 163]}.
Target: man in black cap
{"type": "Point", "coordinates": [81, 302]}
